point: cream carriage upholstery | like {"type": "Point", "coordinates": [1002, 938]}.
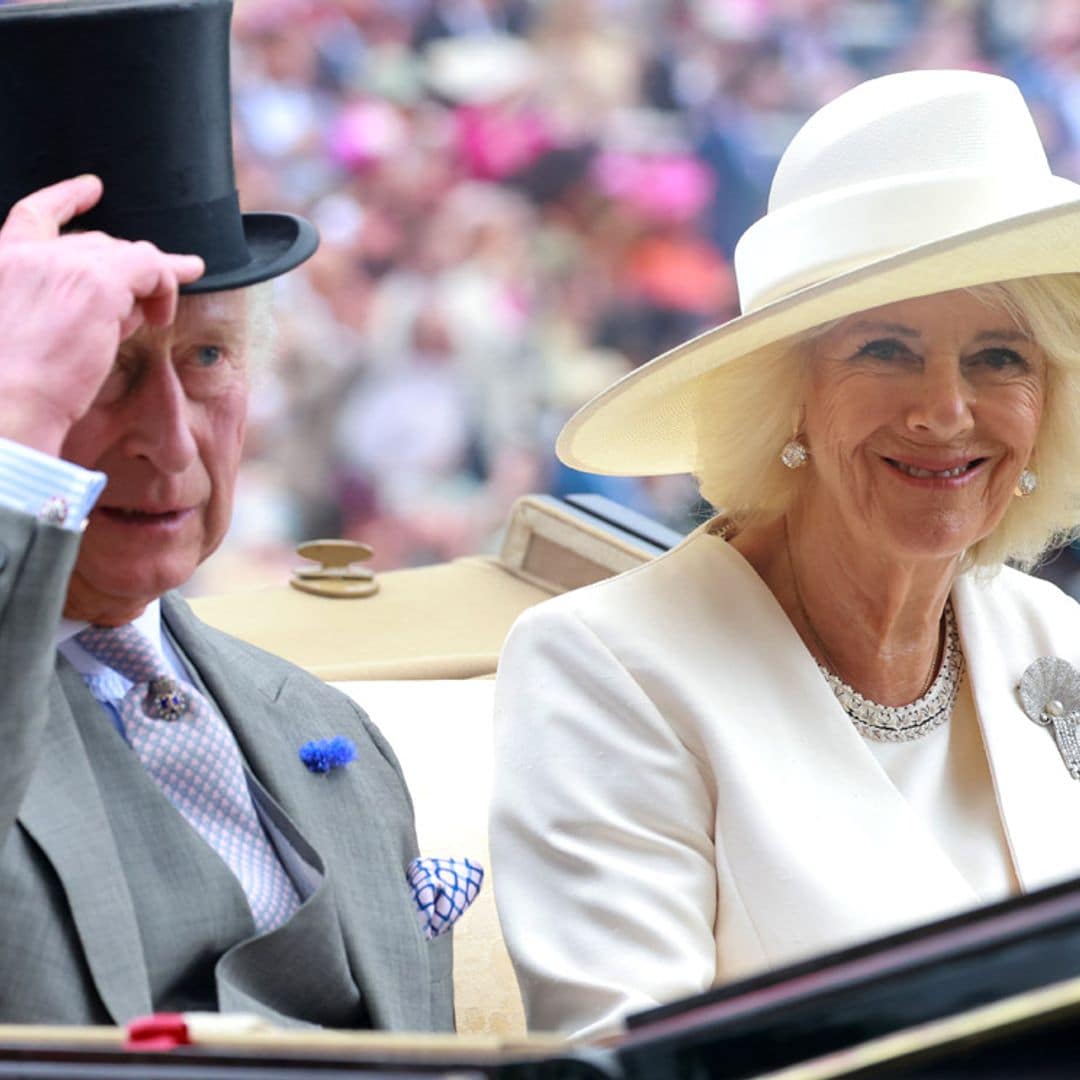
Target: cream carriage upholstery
{"type": "Point", "coordinates": [417, 654]}
{"type": "Point", "coordinates": [441, 732]}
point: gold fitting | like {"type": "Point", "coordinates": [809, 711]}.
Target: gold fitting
{"type": "Point", "coordinates": [337, 574]}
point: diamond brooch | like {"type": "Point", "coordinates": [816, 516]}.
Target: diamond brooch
{"type": "Point", "coordinates": [1050, 695]}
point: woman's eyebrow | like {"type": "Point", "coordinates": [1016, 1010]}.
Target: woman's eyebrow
{"type": "Point", "coordinates": [900, 330]}
{"type": "Point", "coordinates": [871, 326]}
{"type": "Point", "coordinates": [1011, 335]}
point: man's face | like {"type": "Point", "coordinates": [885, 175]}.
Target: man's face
{"type": "Point", "coordinates": [167, 428]}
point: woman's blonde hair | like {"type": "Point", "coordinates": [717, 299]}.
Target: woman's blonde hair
{"type": "Point", "coordinates": [747, 409]}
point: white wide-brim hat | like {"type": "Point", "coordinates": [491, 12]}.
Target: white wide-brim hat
{"type": "Point", "coordinates": [908, 185]}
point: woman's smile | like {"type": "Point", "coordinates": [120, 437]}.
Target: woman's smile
{"type": "Point", "coordinates": [919, 417]}
{"type": "Point", "coordinates": [937, 476]}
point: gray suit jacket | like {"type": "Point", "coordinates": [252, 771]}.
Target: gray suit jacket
{"type": "Point", "coordinates": [101, 882]}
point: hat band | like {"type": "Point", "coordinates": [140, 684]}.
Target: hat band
{"type": "Point", "coordinates": [819, 237]}
{"type": "Point", "coordinates": [213, 230]}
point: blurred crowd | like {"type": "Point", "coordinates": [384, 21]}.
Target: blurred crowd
{"type": "Point", "coordinates": [519, 201]}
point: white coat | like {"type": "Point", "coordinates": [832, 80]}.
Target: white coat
{"type": "Point", "coordinates": [680, 800]}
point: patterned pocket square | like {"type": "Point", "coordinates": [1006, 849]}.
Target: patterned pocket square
{"type": "Point", "coordinates": [442, 889]}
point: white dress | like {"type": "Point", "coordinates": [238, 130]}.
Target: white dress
{"type": "Point", "coordinates": [680, 800]}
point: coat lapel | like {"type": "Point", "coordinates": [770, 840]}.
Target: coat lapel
{"type": "Point", "coordinates": [64, 814]}
{"type": "Point", "coordinates": [853, 858]}
{"type": "Point", "coordinates": [272, 713]}
{"type": "Point", "coordinates": [1005, 624]}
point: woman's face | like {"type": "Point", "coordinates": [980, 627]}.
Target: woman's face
{"type": "Point", "coordinates": [920, 416]}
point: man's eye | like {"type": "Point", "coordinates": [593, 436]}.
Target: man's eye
{"type": "Point", "coordinates": [884, 349]}
{"type": "Point", "coordinates": [209, 355]}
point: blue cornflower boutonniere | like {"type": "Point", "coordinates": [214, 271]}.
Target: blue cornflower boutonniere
{"type": "Point", "coordinates": [322, 755]}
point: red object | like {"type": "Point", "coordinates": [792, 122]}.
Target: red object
{"type": "Point", "coordinates": [159, 1031]}
{"type": "Point", "coordinates": [680, 272]}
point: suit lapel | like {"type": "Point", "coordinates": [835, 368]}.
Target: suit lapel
{"type": "Point", "coordinates": [1004, 626]}
{"type": "Point", "coordinates": [64, 814]}
{"type": "Point", "coordinates": [273, 715]}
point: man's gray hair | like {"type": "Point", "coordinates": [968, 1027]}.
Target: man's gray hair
{"type": "Point", "coordinates": [261, 328]}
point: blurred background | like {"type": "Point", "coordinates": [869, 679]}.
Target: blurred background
{"type": "Point", "coordinates": [519, 201]}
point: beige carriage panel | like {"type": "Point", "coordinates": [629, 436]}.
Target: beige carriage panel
{"type": "Point", "coordinates": [441, 732]}
{"type": "Point", "coordinates": [434, 622]}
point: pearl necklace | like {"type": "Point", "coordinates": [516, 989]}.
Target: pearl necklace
{"type": "Point", "coordinates": [894, 723]}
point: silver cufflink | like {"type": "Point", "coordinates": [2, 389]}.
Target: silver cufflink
{"type": "Point", "coordinates": [54, 510]}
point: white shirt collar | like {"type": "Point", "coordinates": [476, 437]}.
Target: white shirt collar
{"type": "Point", "coordinates": [148, 624]}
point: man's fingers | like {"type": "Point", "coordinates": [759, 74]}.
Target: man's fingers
{"type": "Point", "coordinates": [159, 309]}
{"type": "Point", "coordinates": [156, 289]}
{"type": "Point", "coordinates": [153, 279]}
{"type": "Point", "coordinates": [41, 214]}
{"type": "Point", "coordinates": [188, 268]}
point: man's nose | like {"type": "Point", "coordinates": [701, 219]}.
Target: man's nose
{"type": "Point", "coordinates": [161, 420]}
{"type": "Point", "coordinates": [942, 401]}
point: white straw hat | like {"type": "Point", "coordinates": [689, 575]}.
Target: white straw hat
{"type": "Point", "coordinates": [907, 185]}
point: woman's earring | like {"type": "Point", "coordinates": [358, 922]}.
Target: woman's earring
{"type": "Point", "coordinates": [1026, 484]}
{"type": "Point", "coordinates": [795, 454]}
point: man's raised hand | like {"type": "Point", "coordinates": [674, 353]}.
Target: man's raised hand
{"type": "Point", "coordinates": [66, 303]}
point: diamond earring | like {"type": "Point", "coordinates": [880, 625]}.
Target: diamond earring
{"type": "Point", "coordinates": [795, 454]}
{"type": "Point", "coordinates": [1026, 484]}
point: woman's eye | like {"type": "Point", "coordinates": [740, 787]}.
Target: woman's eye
{"type": "Point", "coordinates": [1002, 359]}
{"type": "Point", "coordinates": [884, 349]}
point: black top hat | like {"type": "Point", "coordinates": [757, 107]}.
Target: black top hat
{"type": "Point", "coordinates": [137, 91]}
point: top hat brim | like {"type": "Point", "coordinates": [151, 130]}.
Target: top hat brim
{"type": "Point", "coordinates": [137, 92]}
{"type": "Point", "coordinates": [276, 243]}
{"type": "Point", "coordinates": [646, 423]}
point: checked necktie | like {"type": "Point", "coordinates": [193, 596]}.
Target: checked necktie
{"type": "Point", "coordinates": [192, 756]}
